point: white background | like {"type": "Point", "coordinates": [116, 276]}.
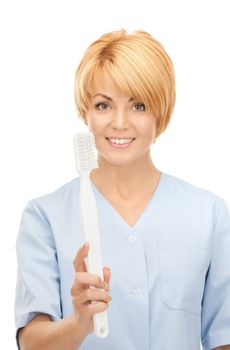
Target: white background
{"type": "Point", "coordinates": [41, 45]}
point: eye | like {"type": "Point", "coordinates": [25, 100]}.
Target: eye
{"type": "Point", "coordinates": [102, 106]}
{"type": "Point", "coordinates": [139, 107]}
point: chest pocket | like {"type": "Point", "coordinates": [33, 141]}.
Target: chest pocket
{"type": "Point", "coordinates": [183, 266]}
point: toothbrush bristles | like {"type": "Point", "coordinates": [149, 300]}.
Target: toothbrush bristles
{"type": "Point", "coordinates": [85, 151]}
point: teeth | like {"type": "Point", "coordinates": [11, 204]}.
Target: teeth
{"type": "Point", "coordinates": [120, 141]}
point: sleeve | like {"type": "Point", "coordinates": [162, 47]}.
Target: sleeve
{"type": "Point", "coordinates": [215, 317]}
{"type": "Point", "coordinates": [38, 282]}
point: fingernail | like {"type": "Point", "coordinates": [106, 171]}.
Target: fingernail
{"type": "Point", "coordinates": [85, 245]}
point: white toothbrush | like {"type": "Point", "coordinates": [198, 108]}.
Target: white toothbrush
{"type": "Point", "coordinates": [85, 156]}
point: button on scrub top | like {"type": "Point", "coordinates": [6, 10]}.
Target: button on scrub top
{"type": "Point", "coordinates": [170, 275]}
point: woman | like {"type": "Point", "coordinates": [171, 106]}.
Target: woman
{"type": "Point", "coordinates": [165, 242]}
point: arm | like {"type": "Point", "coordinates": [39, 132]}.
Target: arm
{"type": "Point", "coordinates": [38, 314]}
{"type": "Point", "coordinates": [38, 287]}
{"type": "Point", "coordinates": [68, 333]}
{"type": "Point", "coordinates": [43, 333]}
{"type": "Point", "coordinates": [215, 318]}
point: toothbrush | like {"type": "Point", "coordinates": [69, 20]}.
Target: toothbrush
{"type": "Point", "coordinates": [85, 157]}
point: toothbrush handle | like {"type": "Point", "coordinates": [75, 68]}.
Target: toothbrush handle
{"type": "Point", "coordinates": [94, 265]}
{"type": "Point", "coordinates": [100, 321]}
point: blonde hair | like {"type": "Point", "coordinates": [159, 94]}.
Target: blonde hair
{"type": "Point", "coordinates": [139, 66]}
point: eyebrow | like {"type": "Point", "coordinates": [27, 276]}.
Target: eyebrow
{"type": "Point", "coordinates": [109, 98]}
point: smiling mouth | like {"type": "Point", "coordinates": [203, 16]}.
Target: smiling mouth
{"type": "Point", "coordinates": [120, 139]}
{"type": "Point", "coordinates": [120, 142]}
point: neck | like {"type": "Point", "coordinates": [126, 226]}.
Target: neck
{"type": "Point", "coordinates": [125, 179]}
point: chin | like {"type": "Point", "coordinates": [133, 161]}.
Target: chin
{"type": "Point", "coordinates": [118, 161]}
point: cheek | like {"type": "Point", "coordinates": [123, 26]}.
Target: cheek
{"type": "Point", "coordinates": [91, 124]}
{"type": "Point", "coordinates": [95, 125]}
{"type": "Point", "coordinates": [97, 130]}
{"type": "Point", "coordinates": [147, 129]}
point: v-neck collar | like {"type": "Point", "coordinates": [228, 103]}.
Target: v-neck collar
{"type": "Point", "coordinates": [144, 212]}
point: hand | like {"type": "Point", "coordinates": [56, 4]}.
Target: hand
{"type": "Point", "coordinates": [86, 300]}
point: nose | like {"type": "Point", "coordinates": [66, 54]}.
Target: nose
{"type": "Point", "coordinates": [120, 120]}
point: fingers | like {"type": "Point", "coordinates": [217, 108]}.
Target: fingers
{"type": "Point", "coordinates": [80, 266]}
{"type": "Point", "coordinates": [90, 295]}
{"type": "Point", "coordinates": [79, 262]}
{"type": "Point", "coordinates": [89, 291]}
{"type": "Point", "coordinates": [85, 312]}
{"type": "Point", "coordinates": [90, 302]}
{"type": "Point", "coordinates": [85, 279]}
{"type": "Point", "coordinates": [107, 275]}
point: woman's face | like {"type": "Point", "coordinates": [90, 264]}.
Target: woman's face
{"type": "Point", "coordinates": [115, 119]}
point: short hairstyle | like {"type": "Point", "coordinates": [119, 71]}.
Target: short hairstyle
{"type": "Point", "coordinates": [139, 66]}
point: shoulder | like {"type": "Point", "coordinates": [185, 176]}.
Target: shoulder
{"type": "Point", "coordinates": [192, 194]}
{"type": "Point", "coordinates": [60, 197]}
{"type": "Point", "coordinates": [176, 184]}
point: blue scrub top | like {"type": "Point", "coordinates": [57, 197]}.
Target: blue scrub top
{"type": "Point", "coordinates": [170, 272]}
